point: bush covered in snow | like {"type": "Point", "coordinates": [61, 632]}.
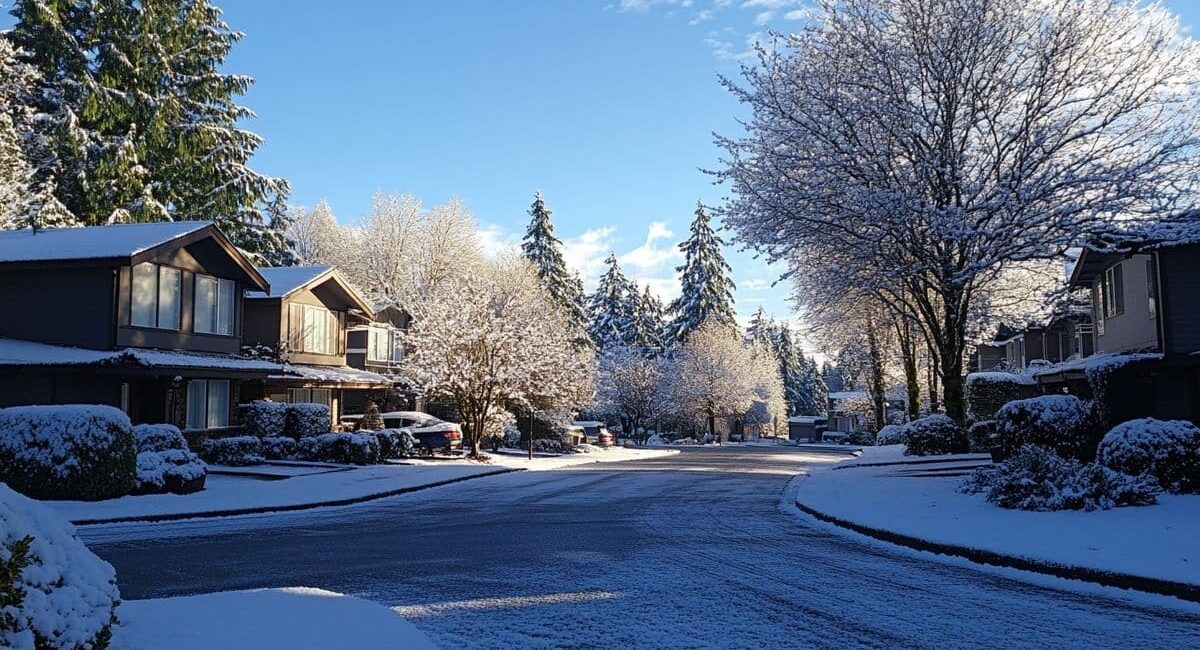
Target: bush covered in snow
{"type": "Point", "coordinates": [1036, 478]}
{"type": "Point", "coordinates": [981, 436]}
{"type": "Point", "coordinates": [934, 434]}
{"type": "Point", "coordinates": [236, 451]}
{"type": "Point", "coordinates": [278, 448]}
{"type": "Point", "coordinates": [158, 437]}
{"type": "Point", "coordinates": [81, 452]}
{"type": "Point", "coordinates": [54, 592]}
{"type": "Point", "coordinates": [347, 448]}
{"type": "Point", "coordinates": [553, 446]}
{"type": "Point", "coordinates": [986, 392]}
{"type": "Point", "coordinates": [395, 443]}
{"type": "Point", "coordinates": [177, 471]}
{"type": "Point", "coordinates": [305, 420]}
{"type": "Point", "coordinates": [892, 434]}
{"type": "Point", "coordinates": [1167, 450]}
{"type": "Point", "coordinates": [1063, 423]}
{"type": "Point", "coordinates": [264, 419]}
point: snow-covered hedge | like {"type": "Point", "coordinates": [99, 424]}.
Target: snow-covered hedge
{"type": "Point", "coordinates": [54, 592]}
{"type": "Point", "coordinates": [395, 443]}
{"type": "Point", "coordinates": [981, 436]}
{"type": "Point", "coordinates": [986, 392]}
{"type": "Point", "coordinates": [892, 434]}
{"type": "Point", "coordinates": [177, 471]}
{"type": "Point", "coordinates": [83, 452]}
{"type": "Point", "coordinates": [553, 446]}
{"type": "Point", "coordinates": [1167, 450]}
{"type": "Point", "coordinates": [1036, 478]}
{"type": "Point", "coordinates": [158, 437]}
{"type": "Point", "coordinates": [347, 448]}
{"type": "Point", "coordinates": [236, 451]}
{"type": "Point", "coordinates": [934, 434]}
{"type": "Point", "coordinates": [278, 448]}
{"type": "Point", "coordinates": [263, 419]}
{"type": "Point", "coordinates": [1064, 423]}
{"type": "Point", "coordinates": [305, 420]}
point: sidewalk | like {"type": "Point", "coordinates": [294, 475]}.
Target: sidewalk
{"type": "Point", "coordinates": [291, 487]}
{"type": "Point", "coordinates": [914, 503]}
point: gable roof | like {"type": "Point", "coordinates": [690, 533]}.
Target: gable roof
{"type": "Point", "coordinates": [287, 280]}
{"type": "Point", "coordinates": [125, 244]}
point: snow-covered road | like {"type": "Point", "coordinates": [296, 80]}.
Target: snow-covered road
{"type": "Point", "coordinates": [691, 550]}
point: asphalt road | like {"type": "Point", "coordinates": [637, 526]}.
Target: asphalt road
{"type": "Point", "coordinates": [691, 550]}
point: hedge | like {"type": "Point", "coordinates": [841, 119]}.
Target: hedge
{"type": "Point", "coordinates": [78, 452]}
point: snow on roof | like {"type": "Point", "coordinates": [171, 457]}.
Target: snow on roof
{"type": "Point", "coordinates": [848, 394]}
{"type": "Point", "coordinates": [999, 376]}
{"type": "Point", "coordinates": [95, 242]}
{"type": "Point", "coordinates": [1096, 362]}
{"type": "Point", "coordinates": [286, 279]}
{"type": "Point", "coordinates": [16, 352]}
{"type": "Point", "coordinates": [807, 419]}
{"type": "Point", "coordinates": [331, 374]}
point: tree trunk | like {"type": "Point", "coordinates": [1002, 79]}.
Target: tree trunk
{"type": "Point", "coordinates": [912, 380]}
{"type": "Point", "coordinates": [931, 370]}
{"type": "Point", "coordinates": [878, 398]}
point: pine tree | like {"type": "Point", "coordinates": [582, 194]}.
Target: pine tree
{"type": "Point", "coordinates": [612, 321]}
{"type": "Point", "coordinates": [18, 206]}
{"type": "Point", "coordinates": [650, 322]}
{"type": "Point", "coordinates": [544, 250]}
{"type": "Point", "coordinates": [833, 378]}
{"type": "Point", "coordinates": [707, 290]}
{"type": "Point", "coordinates": [761, 328]}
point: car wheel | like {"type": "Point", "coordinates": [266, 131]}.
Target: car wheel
{"type": "Point", "coordinates": [426, 450]}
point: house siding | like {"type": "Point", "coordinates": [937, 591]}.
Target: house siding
{"type": "Point", "coordinates": [1135, 329]}
{"type": "Point", "coordinates": [1179, 282]}
{"type": "Point", "coordinates": [65, 306]}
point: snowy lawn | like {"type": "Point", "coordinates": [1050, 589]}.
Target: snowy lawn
{"type": "Point", "coordinates": [1155, 541]}
{"type": "Point", "coordinates": [314, 486]}
{"type": "Point", "coordinates": [294, 618]}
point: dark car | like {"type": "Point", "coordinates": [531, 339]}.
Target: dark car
{"type": "Point", "coordinates": [431, 433]}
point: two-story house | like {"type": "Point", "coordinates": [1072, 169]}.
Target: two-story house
{"type": "Point", "coordinates": [378, 346]}
{"type": "Point", "coordinates": [1145, 299]}
{"type": "Point", "coordinates": [145, 317]}
{"type": "Point", "coordinates": [302, 323]}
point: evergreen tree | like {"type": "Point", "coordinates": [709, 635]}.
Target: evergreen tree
{"type": "Point", "coordinates": [650, 321]}
{"type": "Point", "coordinates": [612, 321]}
{"type": "Point", "coordinates": [18, 206]}
{"type": "Point", "coordinates": [707, 290]}
{"type": "Point", "coordinates": [542, 248]}
{"type": "Point", "coordinates": [832, 376]}
{"type": "Point", "coordinates": [761, 329]}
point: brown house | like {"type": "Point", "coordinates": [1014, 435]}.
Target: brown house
{"type": "Point", "coordinates": [145, 317]}
{"type": "Point", "coordinates": [378, 346]}
{"type": "Point", "coordinates": [302, 323]}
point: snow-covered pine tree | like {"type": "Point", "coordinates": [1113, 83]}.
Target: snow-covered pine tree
{"type": "Point", "coordinates": [790, 368]}
{"type": "Point", "coordinates": [612, 321]}
{"type": "Point", "coordinates": [833, 378]}
{"type": "Point", "coordinates": [814, 389]}
{"type": "Point", "coordinates": [761, 329]}
{"type": "Point", "coordinates": [650, 322]}
{"type": "Point", "coordinates": [275, 246]}
{"type": "Point", "coordinates": [18, 206]}
{"type": "Point", "coordinates": [707, 290]}
{"type": "Point", "coordinates": [544, 250]}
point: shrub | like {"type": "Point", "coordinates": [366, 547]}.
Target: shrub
{"type": "Point", "coordinates": [67, 452]}
{"type": "Point", "coordinates": [54, 592]}
{"type": "Point", "coordinates": [395, 443]}
{"type": "Point", "coordinates": [1167, 450]}
{"type": "Point", "coordinates": [981, 436]}
{"type": "Point", "coordinates": [278, 448]}
{"type": "Point", "coordinates": [862, 438]}
{"type": "Point", "coordinates": [237, 451]}
{"type": "Point", "coordinates": [177, 471]}
{"type": "Point", "coordinates": [1063, 423]}
{"type": "Point", "coordinates": [986, 392]}
{"type": "Point", "coordinates": [158, 437]}
{"type": "Point", "coordinates": [305, 420]}
{"type": "Point", "coordinates": [1036, 478]}
{"type": "Point", "coordinates": [346, 448]}
{"type": "Point", "coordinates": [934, 434]}
{"type": "Point", "coordinates": [892, 434]}
{"type": "Point", "coordinates": [553, 446]}
{"type": "Point", "coordinates": [263, 419]}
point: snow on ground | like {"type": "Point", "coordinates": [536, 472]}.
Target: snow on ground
{"type": "Point", "coordinates": [1154, 541]}
{"type": "Point", "coordinates": [296, 618]}
{"type": "Point", "coordinates": [309, 485]}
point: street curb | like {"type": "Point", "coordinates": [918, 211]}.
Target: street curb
{"type": "Point", "coordinates": [1180, 590]}
{"type": "Point", "coordinates": [919, 461]}
{"type": "Point", "coordinates": [234, 512]}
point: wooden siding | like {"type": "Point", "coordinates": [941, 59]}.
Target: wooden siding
{"type": "Point", "coordinates": [70, 306]}
{"type": "Point", "coordinates": [1179, 284]}
{"type": "Point", "coordinates": [1134, 329]}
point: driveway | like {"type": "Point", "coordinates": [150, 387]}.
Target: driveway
{"type": "Point", "coordinates": [691, 550]}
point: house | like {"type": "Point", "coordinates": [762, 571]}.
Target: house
{"type": "Point", "coordinates": [1058, 339]}
{"type": "Point", "coordinates": [145, 317]}
{"type": "Point", "coordinates": [378, 346]}
{"type": "Point", "coordinates": [1146, 308]}
{"type": "Point", "coordinates": [302, 323]}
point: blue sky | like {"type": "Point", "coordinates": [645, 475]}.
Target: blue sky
{"type": "Point", "coordinates": [607, 106]}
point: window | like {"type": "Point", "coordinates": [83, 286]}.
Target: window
{"type": "Point", "coordinates": [314, 329]}
{"type": "Point", "coordinates": [1098, 305]}
{"type": "Point", "coordinates": [1114, 291]}
{"type": "Point", "coordinates": [207, 403]}
{"type": "Point", "coordinates": [214, 306]}
{"type": "Point", "coordinates": [311, 396]}
{"type": "Point", "coordinates": [156, 299]}
{"type": "Point", "coordinates": [1152, 287]}
{"type": "Point", "coordinates": [377, 344]}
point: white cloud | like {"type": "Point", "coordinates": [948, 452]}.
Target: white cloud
{"type": "Point", "coordinates": [585, 253]}
{"type": "Point", "coordinates": [763, 18]}
{"type": "Point", "coordinates": [494, 239]}
{"type": "Point", "coordinates": [666, 289]}
{"type": "Point", "coordinates": [652, 255]}
{"type": "Point", "coordinates": [703, 15]}
{"type": "Point", "coordinates": [797, 14]}
{"type": "Point", "coordinates": [754, 284]}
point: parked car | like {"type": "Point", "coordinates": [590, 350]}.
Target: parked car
{"type": "Point", "coordinates": [432, 434]}
{"type": "Point", "coordinates": [596, 433]}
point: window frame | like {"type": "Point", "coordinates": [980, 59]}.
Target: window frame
{"type": "Point", "coordinates": [156, 303]}
{"type": "Point", "coordinates": [213, 419]}
{"type": "Point", "coordinates": [219, 310]}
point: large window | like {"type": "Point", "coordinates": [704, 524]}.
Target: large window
{"type": "Point", "coordinates": [311, 396]}
{"type": "Point", "coordinates": [156, 299]}
{"type": "Point", "coordinates": [384, 344]}
{"type": "Point", "coordinates": [214, 305]}
{"type": "Point", "coordinates": [207, 403]}
{"type": "Point", "coordinates": [314, 329]}
{"type": "Point", "coordinates": [1114, 291]}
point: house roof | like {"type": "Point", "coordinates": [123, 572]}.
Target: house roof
{"type": "Point", "coordinates": [126, 243]}
{"type": "Point", "coordinates": [17, 352]}
{"type": "Point", "coordinates": [332, 375]}
{"type": "Point", "coordinates": [287, 280]}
